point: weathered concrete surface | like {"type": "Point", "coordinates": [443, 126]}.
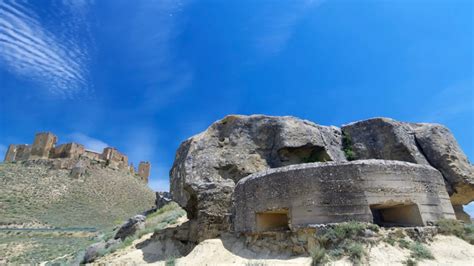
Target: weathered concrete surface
{"type": "Point", "coordinates": [208, 165]}
{"type": "Point", "coordinates": [330, 192]}
{"type": "Point", "coordinates": [428, 144]}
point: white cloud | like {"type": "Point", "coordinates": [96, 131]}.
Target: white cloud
{"type": "Point", "coordinates": [155, 27]}
{"type": "Point", "coordinates": [88, 142]}
{"type": "Point", "coordinates": [278, 25]}
{"type": "Point", "coordinates": [28, 49]}
{"type": "Point", "coordinates": [449, 103]}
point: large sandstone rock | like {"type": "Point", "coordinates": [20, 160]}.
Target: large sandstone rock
{"type": "Point", "coordinates": [443, 152]}
{"type": "Point", "coordinates": [208, 165]}
{"type": "Point", "coordinates": [429, 144]}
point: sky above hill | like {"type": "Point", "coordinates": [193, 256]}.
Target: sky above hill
{"type": "Point", "coordinates": [145, 75]}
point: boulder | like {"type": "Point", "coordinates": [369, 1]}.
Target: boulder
{"type": "Point", "coordinates": [131, 226]}
{"type": "Point", "coordinates": [429, 144]}
{"type": "Point", "coordinates": [383, 138]}
{"type": "Point", "coordinates": [443, 152]}
{"type": "Point", "coordinates": [93, 252]}
{"type": "Point", "coordinates": [207, 166]}
{"type": "Point", "coordinates": [162, 198]}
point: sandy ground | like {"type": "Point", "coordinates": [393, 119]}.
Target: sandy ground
{"type": "Point", "coordinates": [448, 250]}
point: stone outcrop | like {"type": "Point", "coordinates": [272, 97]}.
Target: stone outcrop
{"type": "Point", "coordinates": [380, 191]}
{"type": "Point", "coordinates": [130, 227]}
{"type": "Point", "coordinates": [208, 165]}
{"type": "Point", "coordinates": [162, 198]}
{"type": "Point", "coordinates": [428, 144]}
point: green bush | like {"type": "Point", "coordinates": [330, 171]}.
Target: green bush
{"type": "Point", "coordinates": [347, 147]}
{"type": "Point", "coordinates": [170, 262]}
{"type": "Point", "coordinates": [456, 228]}
{"type": "Point", "coordinates": [403, 243]}
{"type": "Point", "coordinates": [345, 239]}
{"type": "Point", "coordinates": [356, 252]}
{"type": "Point", "coordinates": [420, 252]}
{"type": "Point", "coordinates": [318, 254]}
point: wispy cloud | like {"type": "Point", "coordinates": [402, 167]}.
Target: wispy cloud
{"type": "Point", "coordinates": [449, 103]}
{"type": "Point", "coordinates": [278, 25]}
{"type": "Point", "coordinates": [56, 60]}
{"type": "Point", "coordinates": [88, 142]}
{"type": "Point", "coordinates": [156, 25]}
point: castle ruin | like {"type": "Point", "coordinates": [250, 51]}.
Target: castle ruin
{"type": "Point", "coordinates": [44, 147]}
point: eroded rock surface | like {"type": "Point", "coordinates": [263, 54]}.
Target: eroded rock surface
{"type": "Point", "coordinates": [429, 144]}
{"type": "Point", "coordinates": [208, 165]}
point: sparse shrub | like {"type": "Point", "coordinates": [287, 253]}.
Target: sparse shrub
{"type": "Point", "coordinates": [345, 239]}
{"type": "Point", "coordinates": [420, 252]}
{"type": "Point", "coordinates": [403, 243]}
{"type": "Point", "coordinates": [373, 227]}
{"type": "Point", "coordinates": [170, 262]}
{"type": "Point", "coordinates": [318, 254]}
{"type": "Point", "coordinates": [356, 252]}
{"type": "Point", "coordinates": [390, 240]}
{"type": "Point", "coordinates": [347, 147]}
{"type": "Point", "coordinates": [450, 227]}
{"type": "Point", "coordinates": [456, 228]}
{"type": "Point", "coordinates": [410, 262]}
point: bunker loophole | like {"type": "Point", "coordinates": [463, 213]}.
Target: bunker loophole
{"type": "Point", "coordinates": [396, 215]}
{"type": "Point", "coordinates": [272, 221]}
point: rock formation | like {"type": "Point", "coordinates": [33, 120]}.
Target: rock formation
{"type": "Point", "coordinates": [208, 166]}
{"type": "Point", "coordinates": [429, 144]}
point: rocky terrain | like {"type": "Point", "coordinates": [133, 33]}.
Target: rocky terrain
{"type": "Point", "coordinates": [46, 212]}
{"type": "Point", "coordinates": [262, 190]}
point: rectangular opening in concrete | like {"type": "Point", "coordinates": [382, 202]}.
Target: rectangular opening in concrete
{"type": "Point", "coordinates": [272, 221]}
{"type": "Point", "coordinates": [396, 215]}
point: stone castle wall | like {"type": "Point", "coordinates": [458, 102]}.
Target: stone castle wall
{"type": "Point", "coordinates": [44, 147]}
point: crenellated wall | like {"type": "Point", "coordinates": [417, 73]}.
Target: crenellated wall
{"type": "Point", "coordinates": [44, 147]}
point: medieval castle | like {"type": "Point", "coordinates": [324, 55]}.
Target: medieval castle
{"type": "Point", "coordinates": [44, 147]}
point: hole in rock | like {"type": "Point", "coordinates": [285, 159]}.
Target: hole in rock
{"type": "Point", "coordinates": [303, 154]}
{"type": "Point", "coordinates": [396, 215]}
{"type": "Point", "coordinates": [272, 221]}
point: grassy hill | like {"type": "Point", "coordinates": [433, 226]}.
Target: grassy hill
{"type": "Point", "coordinates": [34, 194]}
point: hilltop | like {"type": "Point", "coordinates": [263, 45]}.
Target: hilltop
{"type": "Point", "coordinates": [59, 202]}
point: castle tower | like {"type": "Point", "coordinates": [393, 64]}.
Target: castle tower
{"type": "Point", "coordinates": [11, 153]}
{"type": "Point", "coordinates": [144, 170]}
{"type": "Point", "coordinates": [43, 144]}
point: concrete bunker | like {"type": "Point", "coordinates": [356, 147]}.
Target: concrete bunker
{"type": "Point", "coordinates": [276, 220]}
{"type": "Point", "coordinates": [379, 191]}
{"type": "Point", "coordinates": [398, 214]}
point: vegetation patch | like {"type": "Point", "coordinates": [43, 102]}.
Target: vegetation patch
{"type": "Point", "coordinates": [347, 147]}
{"type": "Point", "coordinates": [343, 239]}
{"type": "Point", "coordinates": [456, 228]}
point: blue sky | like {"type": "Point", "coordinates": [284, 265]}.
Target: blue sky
{"type": "Point", "coordinates": [145, 75]}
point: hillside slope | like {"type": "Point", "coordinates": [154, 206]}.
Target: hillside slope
{"type": "Point", "coordinates": [35, 192]}
{"type": "Point", "coordinates": [46, 213]}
